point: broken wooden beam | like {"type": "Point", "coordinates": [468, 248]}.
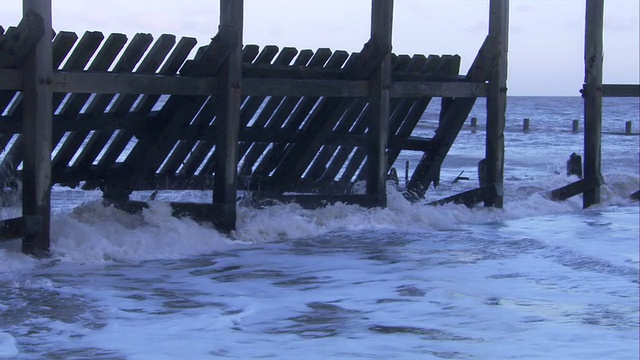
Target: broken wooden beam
{"type": "Point", "coordinates": [20, 227]}
{"type": "Point", "coordinates": [579, 187]}
{"type": "Point", "coordinates": [472, 197]}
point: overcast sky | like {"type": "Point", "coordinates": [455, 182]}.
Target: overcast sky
{"type": "Point", "coordinates": [545, 45]}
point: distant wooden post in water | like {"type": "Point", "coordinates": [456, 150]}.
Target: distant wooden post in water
{"type": "Point", "coordinates": [525, 125]}
{"type": "Point", "coordinates": [37, 130]}
{"type": "Point", "coordinates": [575, 126]}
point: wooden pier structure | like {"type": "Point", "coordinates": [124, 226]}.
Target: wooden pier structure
{"type": "Point", "coordinates": [280, 124]}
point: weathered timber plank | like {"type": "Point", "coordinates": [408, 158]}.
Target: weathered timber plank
{"type": "Point", "coordinates": [354, 124]}
{"type": "Point", "coordinates": [399, 108]}
{"type": "Point", "coordinates": [438, 89]}
{"type": "Point", "coordinates": [314, 201]}
{"type": "Point", "coordinates": [170, 68]}
{"type": "Point", "coordinates": [20, 227]}
{"type": "Point", "coordinates": [81, 124]}
{"type": "Point", "coordinates": [149, 65]}
{"type": "Point", "coordinates": [620, 90]}
{"type": "Point", "coordinates": [259, 120]}
{"type": "Point", "coordinates": [446, 65]}
{"type": "Point", "coordinates": [181, 152]}
{"type": "Point", "coordinates": [10, 81]}
{"type": "Point", "coordinates": [155, 135]}
{"type": "Point", "coordinates": [293, 115]}
{"type": "Point", "coordinates": [36, 133]}
{"type": "Point", "coordinates": [62, 44]}
{"type": "Point", "coordinates": [78, 60]}
{"type": "Point", "coordinates": [298, 156]}
{"type": "Point", "coordinates": [19, 41]}
{"type": "Point", "coordinates": [130, 57]}
{"type": "Point", "coordinates": [575, 188]}
{"type": "Point", "coordinates": [379, 102]}
{"type": "Point", "coordinates": [267, 117]}
{"type": "Point", "coordinates": [454, 118]}
{"type": "Point", "coordinates": [102, 61]}
{"type": "Point", "coordinates": [225, 182]}
{"type": "Point", "coordinates": [497, 98]}
{"type": "Point", "coordinates": [250, 152]}
{"type": "Point", "coordinates": [592, 92]}
{"type": "Point", "coordinates": [472, 197]}
{"type": "Point", "coordinates": [198, 119]}
{"type": "Point", "coordinates": [59, 48]}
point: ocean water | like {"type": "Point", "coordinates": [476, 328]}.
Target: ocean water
{"type": "Point", "coordinates": [535, 280]}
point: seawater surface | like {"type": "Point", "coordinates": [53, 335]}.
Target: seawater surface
{"type": "Point", "coordinates": [535, 280]}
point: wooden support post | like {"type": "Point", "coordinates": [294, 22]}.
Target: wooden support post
{"type": "Point", "coordinates": [228, 115]}
{"type": "Point", "coordinates": [497, 98]}
{"type": "Point", "coordinates": [380, 83]}
{"type": "Point", "coordinates": [36, 132]}
{"type": "Point", "coordinates": [592, 92]}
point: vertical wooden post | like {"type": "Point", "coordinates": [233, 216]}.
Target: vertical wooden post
{"type": "Point", "coordinates": [380, 83]}
{"type": "Point", "coordinates": [497, 98]}
{"type": "Point", "coordinates": [228, 114]}
{"type": "Point", "coordinates": [575, 126]}
{"type": "Point", "coordinates": [592, 92]}
{"type": "Point", "coordinates": [36, 132]}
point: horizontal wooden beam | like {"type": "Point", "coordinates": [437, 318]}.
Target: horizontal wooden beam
{"type": "Point", "coordinates": [313, 201]}
{"type": "Point", "coordinates": [438, 89]}
{"type": "Point", "coordinates": [575, 188]}
{"type": "Point", "coordinates": [10, 79]}
{"type": "Point", "coordinates": [20, 227]}
{"type": "Point", "coordinates": [113, 83]}
{"type": "Point", "coordinates": [472, 197]}
{"type": "Point", "coordinates": [620, 90]}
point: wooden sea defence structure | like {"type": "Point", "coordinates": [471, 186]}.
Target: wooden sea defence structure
{"type": "Point", "coordinates": [286, 125]}
{"type": "Point", "coordinates": [279, 124]}
{"type": "Point", "coordinates": [593, 91]}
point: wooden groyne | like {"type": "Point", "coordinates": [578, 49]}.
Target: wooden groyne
{"type": "Point", "coordinates": [124, 115]}
{"type": "Point", "coordinates": [288, 125]}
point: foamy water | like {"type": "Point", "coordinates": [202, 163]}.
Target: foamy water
{"type": "Point", "coordinates": [538, 279]}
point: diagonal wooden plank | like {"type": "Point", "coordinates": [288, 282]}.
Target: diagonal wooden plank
{"type": "Point", "coordinates": [357, 126]}
{"type": "Point", "coordinates": [408, 116]}
{"type": "Point", "coordinates": [148, 65]}
{"type": "Point", "coordinates": [453, 119]}
{"type": "Point", "coordinates": [60, 46]}
{"type": "Point", "coordinates": [204, 119]}
{"type": "Point", "coordinates": [299, 155]}
{"type": "Point", "coordinates": [146, 104]}
{"type": "Point", "coordinates": [250, 152]}
{"type": "Point", "coordinates": [130, 57]}
{"type": "Point", "coordinates": [290, 118]}
{"type": "Point", "coordinates": [154, 140]}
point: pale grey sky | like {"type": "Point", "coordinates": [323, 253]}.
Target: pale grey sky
{"type": "Point", "coordinates": [545, 45]}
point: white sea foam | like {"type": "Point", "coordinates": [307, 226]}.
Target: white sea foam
{"type": "Point", "coordinates": [8, 346]}
{"type": "Point", "coordinates": [94, 233]}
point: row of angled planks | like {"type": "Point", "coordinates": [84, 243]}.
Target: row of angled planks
{"type": "Point", "coordinates": [287, 143]}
